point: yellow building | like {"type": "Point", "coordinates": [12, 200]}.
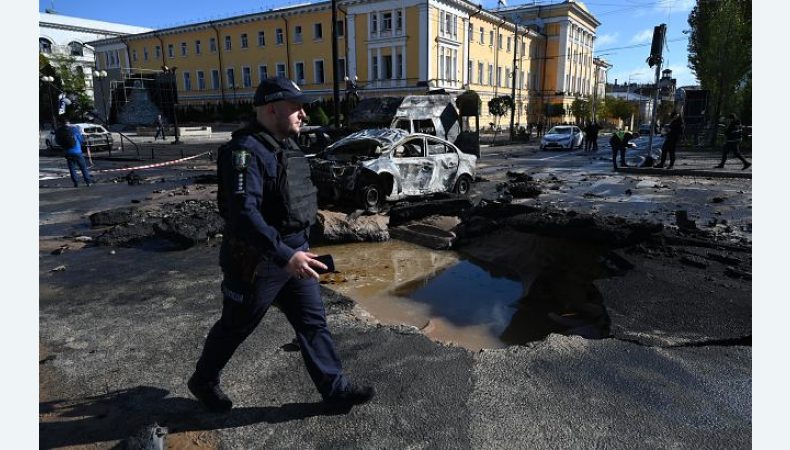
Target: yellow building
{"type": "Point", "coordinates": [392, 47]}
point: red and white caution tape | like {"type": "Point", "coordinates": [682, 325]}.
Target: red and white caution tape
{"type": "Point", "coordinates": [150, 166]}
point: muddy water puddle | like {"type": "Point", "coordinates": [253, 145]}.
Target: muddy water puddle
{"type": "Point", "coordinates": [508, 288]}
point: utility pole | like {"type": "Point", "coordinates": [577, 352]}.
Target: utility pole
{"type": "Point", "coordinates": [656, 58]}
{"type": "Point", "coordinates": [335, 69]}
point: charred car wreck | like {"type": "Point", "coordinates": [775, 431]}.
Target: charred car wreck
{"type": "Point", "coordinates": [372, 166]}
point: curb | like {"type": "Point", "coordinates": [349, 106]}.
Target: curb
{"type": "Point", "coordinates": [685, 172]}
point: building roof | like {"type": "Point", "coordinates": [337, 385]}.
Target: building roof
{"type": "Point", "coordinates": [88, 25]}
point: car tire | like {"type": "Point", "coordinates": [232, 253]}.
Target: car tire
{"type": "Point", "coordinates": [463, 185]}
{"type": "Point", "coordinates": [371, 197]}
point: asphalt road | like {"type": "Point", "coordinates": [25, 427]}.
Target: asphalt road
{"type": "Point", "coordinates": [120, 330]}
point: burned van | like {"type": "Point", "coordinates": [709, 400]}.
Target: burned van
{"type": "Point", "coordinates": [372, 166]}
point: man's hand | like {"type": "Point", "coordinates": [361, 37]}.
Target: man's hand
{"type": "Point", "coordinates": [300, 264]}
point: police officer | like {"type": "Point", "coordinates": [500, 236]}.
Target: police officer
{"type": "Point", "coordinates": [671, 140]}
{"type": "Point", "coordinates": [268, 202]}
{"type": "Point", "coordinates": [734, 135]}
{"type": "Point", "coordinates": [620, 141]}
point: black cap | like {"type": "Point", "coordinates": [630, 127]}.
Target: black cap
{"type": "Point", "coordinates": [278, 88]}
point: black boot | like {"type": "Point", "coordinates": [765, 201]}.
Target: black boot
{"type": "Point", "coordinates": [210, 394]}
{"type": "Point", "coordinates": [350, 396]}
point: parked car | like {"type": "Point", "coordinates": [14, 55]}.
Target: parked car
{"type": "Point", "coordinates": [562, 137]}
{"type": "Point", "coordinates": [94, 136]}
{"type": "Point", "coordinates": [376, 165]}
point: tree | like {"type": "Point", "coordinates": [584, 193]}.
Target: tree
{"type": "Point", "coordinates": [720, 53]}
{"type": "Point", "coordinates": [581, 109]}
{"type": "Point", "coordinates": [69, 80]}
{"type": "Point", "coordinates": [498, 107]}
{"type": "Point", "coordinates": [619, 108]}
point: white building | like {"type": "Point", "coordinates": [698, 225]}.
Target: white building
{"type": "Point", "coordinates": [67, 36]}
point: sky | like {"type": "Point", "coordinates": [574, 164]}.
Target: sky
{"type": "Point", "coordinates": [623, 39]}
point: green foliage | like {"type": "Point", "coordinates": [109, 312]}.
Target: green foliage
{"type": "Point", "coordinates": [581, 109]}
{"type": "Point", "coordinates": [618, 108]}
{"type": "Point", "coordinates": [68, 80]}
{"type": "Point", "coordinates": [720, 53]}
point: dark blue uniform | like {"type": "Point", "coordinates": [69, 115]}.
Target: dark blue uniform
{"type": "Point", "coordinates": [268, 210]}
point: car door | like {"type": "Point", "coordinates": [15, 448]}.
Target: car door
{"type": "Point", "coordinates": [445, 165]}
{"type": "Point", "coordinates": [414, 168]}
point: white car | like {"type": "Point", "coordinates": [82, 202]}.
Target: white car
{"type": "Point", "coordinates": [562, 137]}
{"type": "Point", "coordinates": [94, 136]}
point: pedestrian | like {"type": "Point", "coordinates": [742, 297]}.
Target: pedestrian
{"type": "Point", "coordinates": [594, 129]}
{"type": "Point", "coordinates": [588, 136]}
{"type": "Point", "coordinates": [70, 140]}
{"type": "Point", "coordinates": [160, 128]}
{"type": "Point", "coordinates": [268, 202]}
{"type": "Point", "coordinates": [734, 135]}
{"type": "Point", "coordinates": [619, 141]}
{"type": "Point", "coordinates": [674, 133]}
{"type": "Point", "coordinates": [540, 128]}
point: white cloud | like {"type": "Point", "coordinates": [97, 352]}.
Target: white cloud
{"type": "Point", "coordinates": [606, 39]}
{"type": "Point", "coordinates": [643, 36]}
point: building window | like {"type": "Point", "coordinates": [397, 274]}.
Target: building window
{"type": "Point", "coordinates": [278, 36]}
{"type": "Point", "coordinates": [490, 74]}
{"type": "Point", "coordinates": [197, 47]}
{"type": "Point", "coordinates": [471, 33]}
{"type": "Point", "coordinates": [491, 38]}
{"type": "Point", "coordinates": [244, 41]}
{"type": "Point", "coordinates": [341, 28]}
{"type": "Point", "coordinates": [469, 71]}
{"type": "Point", "coordinates": [201, 78]}
{"type": "Point", "coordinates": [263, 73]}
{"type": "Point", "coordinates": [170, 51]}
{"type": "Point", "coordinates": [215, 79]}
{"type": "Point", "coordinates": [386, 22]}
{"type": "Point", "coordinates": [399, 66]}
{"type": "Point", "coordinates": [386, 61]}
{"type": "Point", "coordinates": [75, 49]}
{"type": "Point", "coordinates": [230, 77]}
{"type": "Point", "coordinates": [374, 23]}
{"type": "Point", "coordinates": [187, 82]}
{"type": "Point", "coordinates": [145, 53]}
{"type": "Point", "coordinates": [499, 76]}
{"type": "Point", "coordinates": [507, 77]}
{"type": "Point", "coordinates": [499, 41]}
{"type": "Point", "coordinates": [280, 69]}
{"type": "Point", "coordinates": [399, 20]}
{"type": "Point", "coordinates": [228, 43]}
{"type": "Point", "coordinates": [246, 77]}
{"type": "Point", "coordinates": [44, 45]}
{"type": "Point", "coordinates": [298, 34]}
{"type": "Point", "coordinates": [341, 65]}
{"type": "Point", "coordinates": [318, 31]}
{"type": "Point", "coordinates": [212, 45]}
{"type": "Point", "coordinates": [318, 67]}
{"type": "Point", "coordinates": [261, 39]}
{"type": "Point", "coordinates": [183, 49]}
{"type": "Point", "coordinates": [299, 71]}
{"type": "Point", "coordinates": [134, 55]}
{"type": "Point", "coordinates": [482, 36]}
{"type": "Point", "coordinates": [479, 73]}
{"type": "Point", "coordinates": [508, 43]}
{"type": "Point", "coordinates": [157, 52]}
{"type": "Point", "coordinates": [374, 68]}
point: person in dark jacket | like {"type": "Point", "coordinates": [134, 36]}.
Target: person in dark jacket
{"type": "Point", "coordinates": [160, 128]}
{"type": "Point", "coordinates": [70, 139]}
{"type": "Point", "coordinates": [591, 136]}
{"type": "Point", "coordinates": [620, 141]}
{"type": "Point", "coordinates": [734, 135]}
{"type": "Point", "coordinates": [674, 133]}
{"type": "Point", "coordinates": [268, 201]}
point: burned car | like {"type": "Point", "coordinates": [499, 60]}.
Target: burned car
{"type": "Point", "coordinates": [372, 166]}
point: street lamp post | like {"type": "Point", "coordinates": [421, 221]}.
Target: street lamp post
{"type": "Point", "coordinates": [48, 81]}
{"type": "Point", "coordinates": [100, 75]}
{"type": "Point", "coordinates": [172, 71]}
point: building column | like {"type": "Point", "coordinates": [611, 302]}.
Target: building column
{"type": "Point", "coordinates": [563, 58]}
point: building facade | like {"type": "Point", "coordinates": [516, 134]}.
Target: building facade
{"type": "Point", "coordinates": [391, 47]}
{"type": "Point", "coordinates": [62, 36]}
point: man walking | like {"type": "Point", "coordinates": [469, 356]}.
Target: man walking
{"type": "Point", "coordinates": [671, 140]}
{"type": "Point", "coordinates": [734, 135]}
{"type": "Point", "coordinates": [70, 140]}
{"type": "Point", "coordinates": [160, 128]}
{"type": "Point", "coordinates": [620, 141]}
{"type": "Point", "coordinates": [268, 201]}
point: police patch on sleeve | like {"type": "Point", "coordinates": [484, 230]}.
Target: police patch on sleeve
{"type": "Point", "coordinates": [241, 159]}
